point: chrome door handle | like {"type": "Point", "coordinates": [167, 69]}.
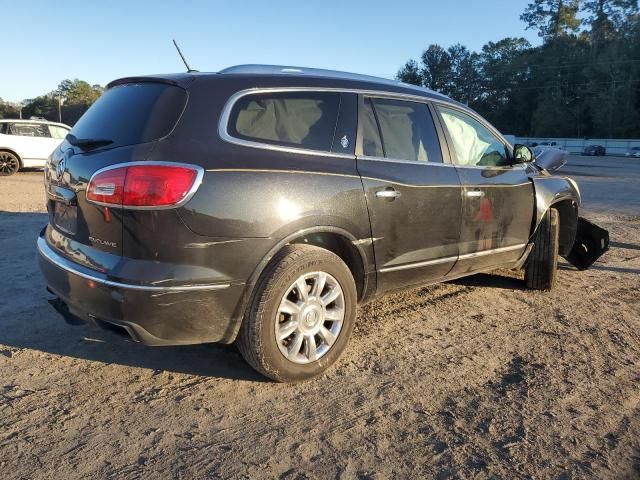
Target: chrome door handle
{"type": "Point", "coordinates": [475, 193]}
{"type": "Point", "coordinates": [390, 193]}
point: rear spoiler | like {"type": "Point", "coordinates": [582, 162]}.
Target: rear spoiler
{"type": "Point", "coordinates": [177, 80]}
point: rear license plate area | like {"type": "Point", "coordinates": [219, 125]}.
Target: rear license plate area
{"type": "Point", "coordinates": [65, 217]}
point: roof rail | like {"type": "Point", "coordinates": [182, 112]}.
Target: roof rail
{"type": "Point", "coordinates": [256, 69]}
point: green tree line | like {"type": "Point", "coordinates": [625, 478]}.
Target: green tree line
{"type": "Point", "coordinates": [67, 103]}
{"type": "Point", "coordinates": [582, 81]}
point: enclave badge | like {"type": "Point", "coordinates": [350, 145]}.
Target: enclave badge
{"type": "Point", "coordinates": [106, 243]}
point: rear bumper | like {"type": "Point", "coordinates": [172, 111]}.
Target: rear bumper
{"type": "Point", "coordinates": [33, 163]}
{"type": "Point", "coordinates": [151, 314]}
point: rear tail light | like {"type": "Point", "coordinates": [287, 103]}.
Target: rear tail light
{"type": "Point", "coordinates": [154, 185]}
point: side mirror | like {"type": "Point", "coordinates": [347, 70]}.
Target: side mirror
{"type": "Point", "coordinates": [522, 154]}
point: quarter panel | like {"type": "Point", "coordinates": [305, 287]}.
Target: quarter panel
{"type": "Point", "coordinates": [265, 203]}
{"type": "Point", "coordinates": [267, 196]}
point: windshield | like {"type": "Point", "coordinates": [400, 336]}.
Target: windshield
{"type": "Point", "coordinates": [130, 114]}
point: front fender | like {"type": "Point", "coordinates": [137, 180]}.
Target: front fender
{"type": "Point", "coordinates": [551, 190]}
{"type": "Point", "coordinates": [581, 242]}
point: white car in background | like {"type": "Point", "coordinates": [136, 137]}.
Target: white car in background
{"type": "Point", "coordinates": [28, 143]}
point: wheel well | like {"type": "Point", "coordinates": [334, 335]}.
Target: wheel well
{"type": "Point", "coordinates": [343, 248]}
{"type": "Point", "coordinates": [568, 211]}
{"type": "Point", "coordinates": [3, 149]}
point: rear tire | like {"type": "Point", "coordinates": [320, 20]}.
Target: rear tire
{"type": "Point", "coordinates": [9, 163]}
{"type": "Point", "coordinates": [315, 340]}
{"type": "Point", "coordinates": [542, 265]}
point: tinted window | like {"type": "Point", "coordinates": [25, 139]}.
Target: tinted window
{"type": "Point", "coordinates": [132, 113]}
{"type": "Point", "coordinates": [3, 127]}
{"type": "Point", "coordinates": [300, 119]}
{"type": "Point", "coordinates": [474, 144]}
{"type": "Point", "coordinates": [29, 130]}
{"type": "Point", "coordinates": [58, 132]}
{"type": "Point", "coordinates": [407, 129]}
{"type": "Point", "coordinates": [371, 143]}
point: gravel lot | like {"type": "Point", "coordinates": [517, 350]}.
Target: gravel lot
{"type": "Point", "coordinates": [476, 378]}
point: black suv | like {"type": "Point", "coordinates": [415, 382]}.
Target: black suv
{"type": "Point", "coordinates": [594, 151]}
{"type": "Point", "coordinates": [261, 204]}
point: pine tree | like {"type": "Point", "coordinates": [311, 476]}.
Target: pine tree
{"type": "Point", "coordinates": [552, 18]}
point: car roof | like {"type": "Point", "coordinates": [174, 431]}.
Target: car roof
{"type": "Point", "coordinates": [17, 120]}
{"type": "Point", "coordinates": [291, 72]}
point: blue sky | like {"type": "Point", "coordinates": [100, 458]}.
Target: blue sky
{"type": "Point", "coordinates": [46, 42]}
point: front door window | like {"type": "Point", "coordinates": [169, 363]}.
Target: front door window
{"type": "Point", "coordinates": [474, 144]}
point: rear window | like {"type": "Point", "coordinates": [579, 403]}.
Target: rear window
{"type": "Point", "coordinates": [132, 113]}
{"type": "Point", "coordinates": [296, 119]}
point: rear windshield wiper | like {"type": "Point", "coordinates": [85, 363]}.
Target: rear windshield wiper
{"type": "Point", "coordinates": [88, 143]}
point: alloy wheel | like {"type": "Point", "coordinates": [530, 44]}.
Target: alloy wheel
{"type": "Point", "coordinates": [310, 317]}
{"type": "Point", "coordinates": [9, 164]}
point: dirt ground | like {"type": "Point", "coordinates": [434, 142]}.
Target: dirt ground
{"type": "Point", "coordinates": [477, 378]}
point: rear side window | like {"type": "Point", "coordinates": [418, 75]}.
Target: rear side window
{"type": "Point", "coordinates": [407, 129]}
{"type": "Point", "coordinates": [132, 113]}
{"type": "Point", "coordinates": [29, 130]}
{"type": "Point", "coordinates": [292, 119]}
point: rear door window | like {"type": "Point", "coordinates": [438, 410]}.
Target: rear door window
{"type": "Point", "coordinates": [132, 113]}
{"type": "Point", "coordinates": [407, 130]}
{"type": "Point", "coordinates": [293, 119]}
{"type": "Point", "coordinates": [29, 130]}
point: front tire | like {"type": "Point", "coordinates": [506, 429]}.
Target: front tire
{"type": "Point", "coordinates": [542, 265]}
{"type": "Point", "coordinates": [9, 163]}
{"type": "Point", "coordinates": [301, 316]}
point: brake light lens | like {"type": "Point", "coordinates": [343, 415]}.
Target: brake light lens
{"type": "Point", "coordinates": [108, 186]}
{"type": "Point", "coordinates": [142, 185]}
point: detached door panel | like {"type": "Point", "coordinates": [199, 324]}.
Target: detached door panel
{"type": "Point", "coordinates": [498, 199]}
{"type": "Point", "coordinates": [413, 198]}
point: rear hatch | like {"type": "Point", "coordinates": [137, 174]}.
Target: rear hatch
{"type": "Point", "coordinates": [124, 125]}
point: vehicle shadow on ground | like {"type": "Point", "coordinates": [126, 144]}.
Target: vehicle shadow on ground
{"type": "Point", "coordinates": [491, 280]}
{"type": "Point", "coordinates": [27, 321]}
{"type": "Point", "coordinates": [88, 342]}
{"type": "Point", "coordinates": [615, 269]}
{"type": "Point", "coordinates": [601, 267]}
{"type": "Point", "coordinates": [625, 246]}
